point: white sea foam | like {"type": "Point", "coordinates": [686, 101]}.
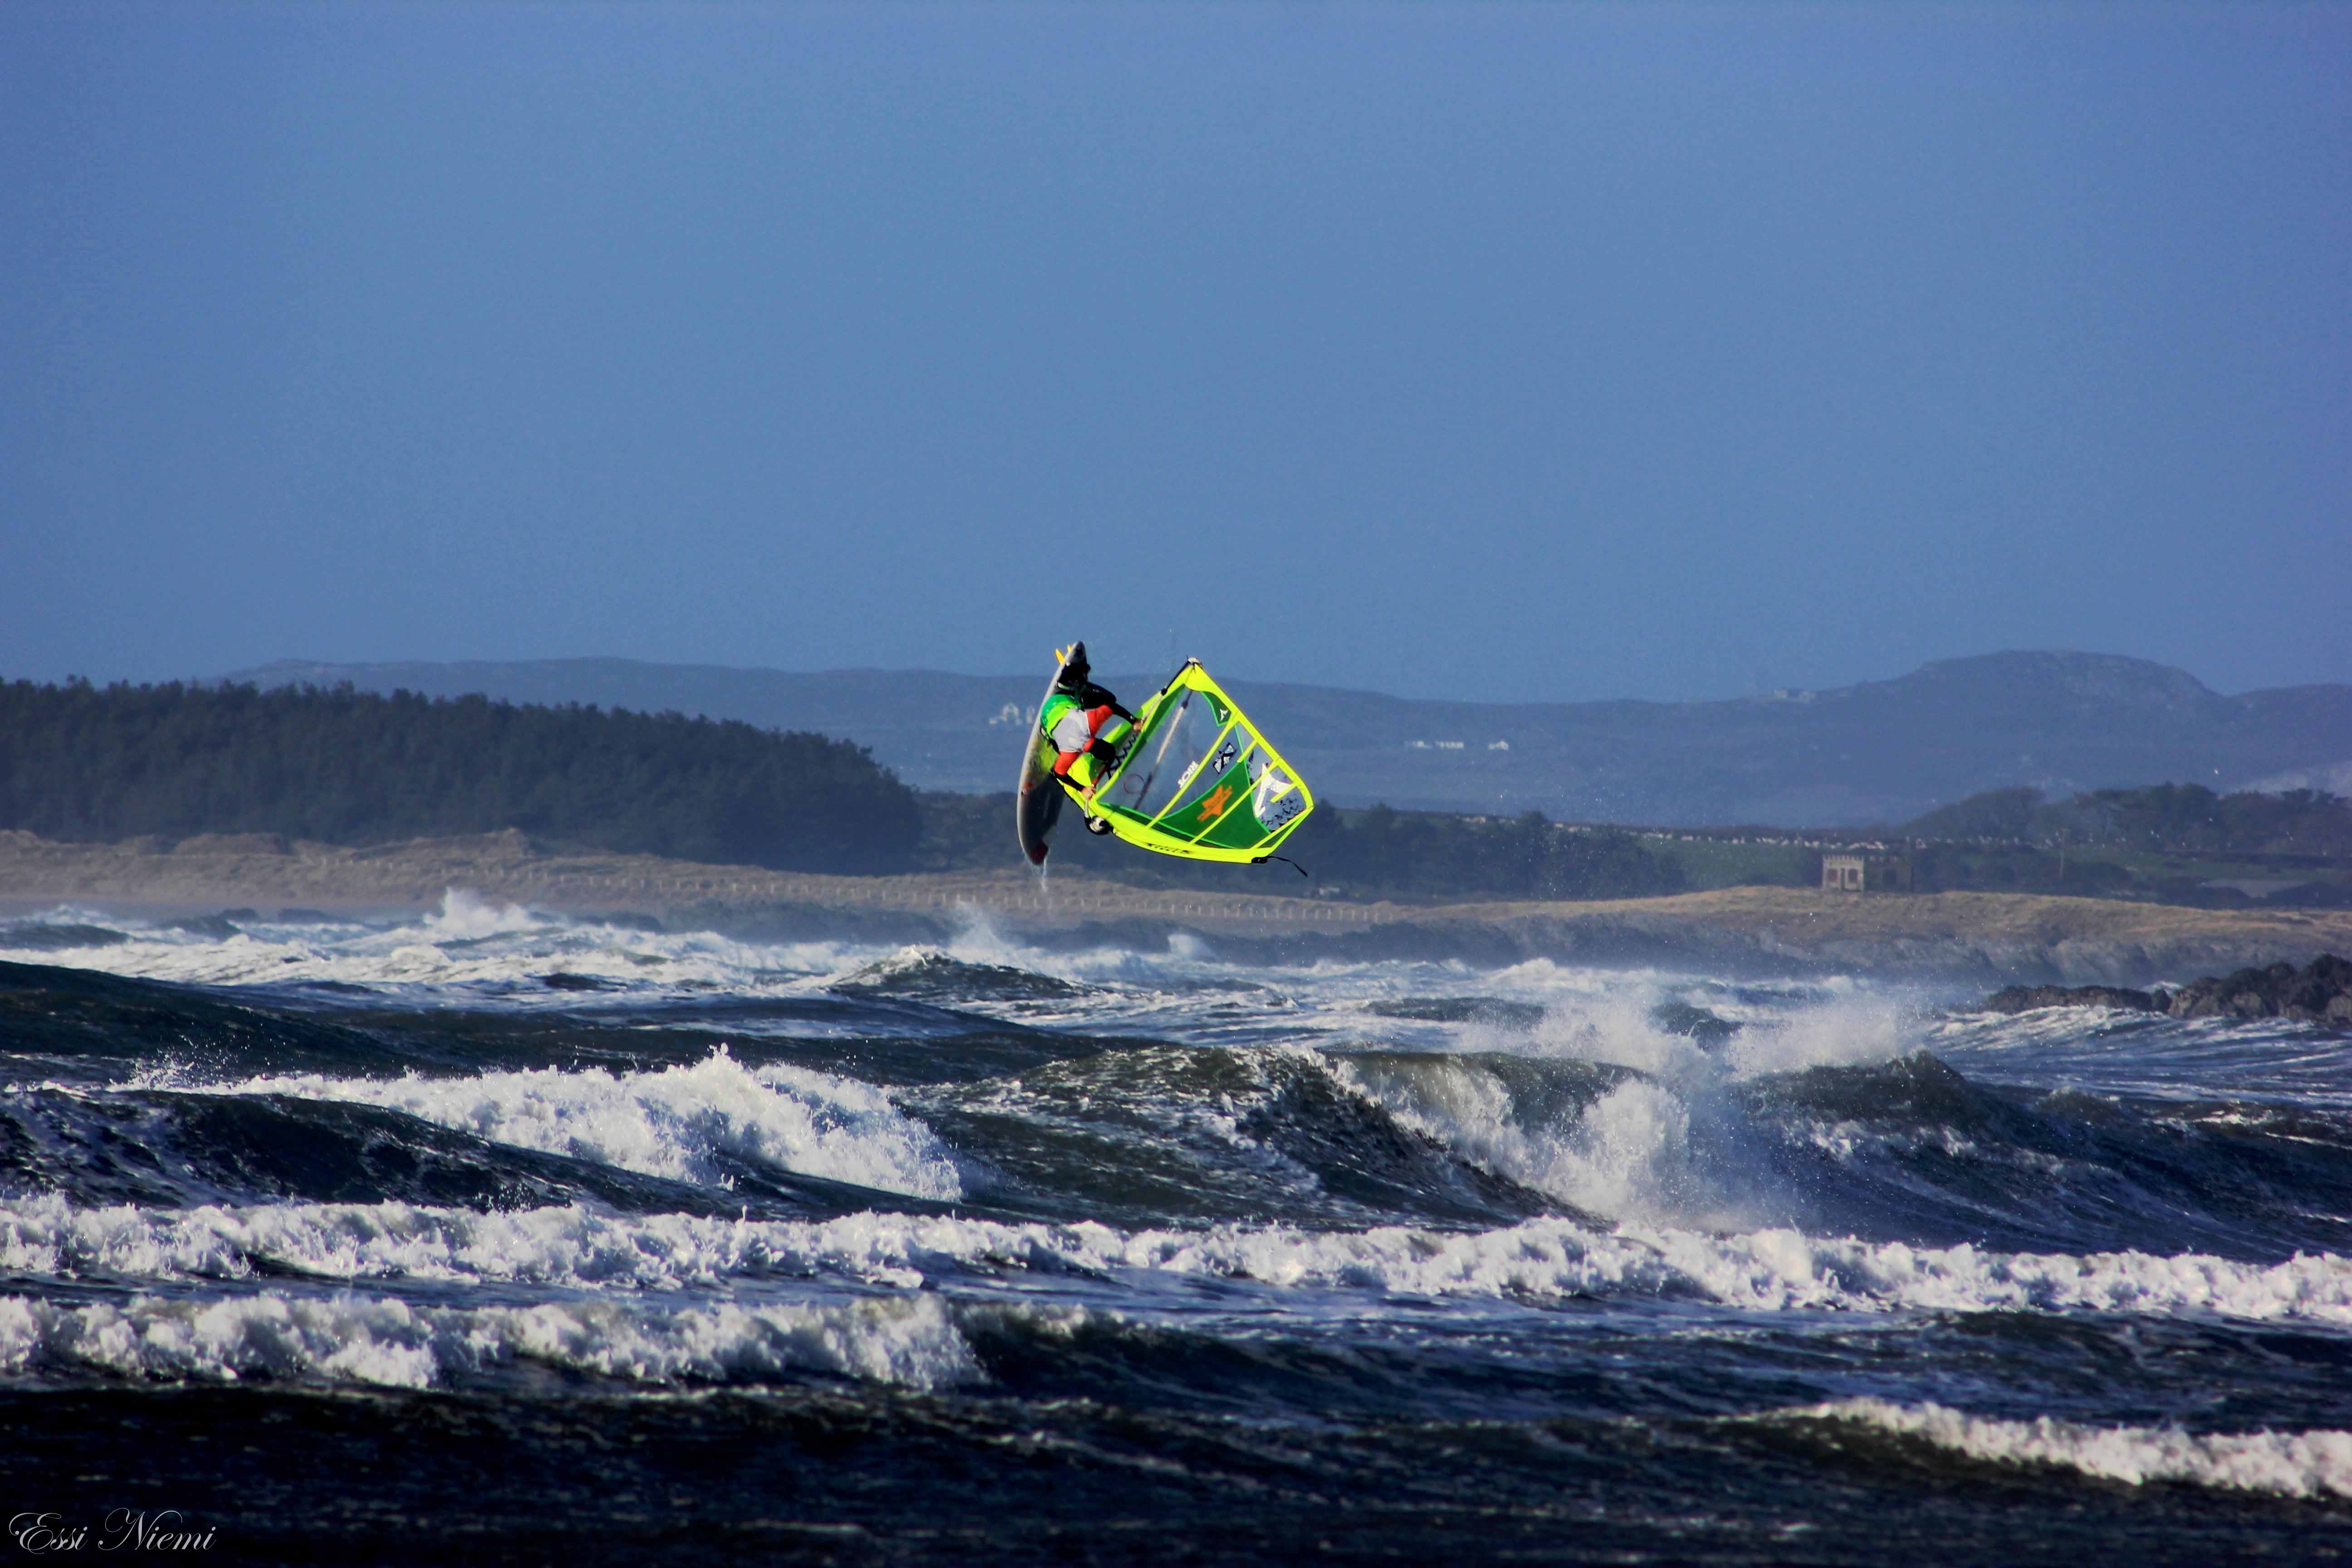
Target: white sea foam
{"type": "Point", "coordinates": [1763, 1270]}
{"type": "Point", "coordinates": [676, 1123]}
{"type": "Point", "coordinates": [467, 940]}
{"type": "Point", "coordinates": [2288, 1463]}
{"type": "Point", "coordinates": [908, 1341]}
{"type": "Point", "coordinates": [1849, 1029]}
{"type": "Point", "coordinates": [1647, 1150]}
{"type": "Point", "coordinates": [1767, 1270]}
{"type": "Point", "coordinates": [569, 1246]}
{"type": "Point", "coordinates": [1674, 1146]}
{"type": "Point", "coordinates": [466, 916]}
{"type": "Point", "coordinates": [1607, 1015]}
{"type": "Point", "coordinates": [1627, 1155]}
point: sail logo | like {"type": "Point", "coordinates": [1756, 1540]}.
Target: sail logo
{"type": "Point", "coordinates": [1278, 799]}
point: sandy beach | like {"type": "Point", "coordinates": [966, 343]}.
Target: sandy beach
{"type": "Point", "coordinates": [1995, 935]}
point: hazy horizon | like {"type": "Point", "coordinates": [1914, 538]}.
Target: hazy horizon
{"type": "Point", "coordinates": [1149, 667]}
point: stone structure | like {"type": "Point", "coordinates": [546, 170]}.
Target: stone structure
{"type": "Point", "coordinates": [1866, 873]}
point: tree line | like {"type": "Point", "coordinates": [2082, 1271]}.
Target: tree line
{"type": "Point", "coordinates": [2177, 843]}
{"type": "Point", "coordinates": [1377, 852]}
{"type": "Point", "coordinates": [1381, 851]}
{"type": "Point", "coordinates": [2167, 819]}
{"type": "Point", "coordinates": [84, 762]}
{"type": "Point", "coordinates": [79, 761]}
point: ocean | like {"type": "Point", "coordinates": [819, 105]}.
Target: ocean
{"type": "Point", "coordinates": [498, 1237]}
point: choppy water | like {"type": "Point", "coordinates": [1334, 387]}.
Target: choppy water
{"type": "Point", "coordinates": [503, 1237]}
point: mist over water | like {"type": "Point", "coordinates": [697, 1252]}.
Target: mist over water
{"type": "Point", "coordinates": [1117, 1254]}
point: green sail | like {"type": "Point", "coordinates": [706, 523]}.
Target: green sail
{"type": "Point", "coordinates": [1199, 780]}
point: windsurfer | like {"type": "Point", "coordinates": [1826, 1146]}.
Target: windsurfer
{"type": "Point", "coordinates": [1085, 725]}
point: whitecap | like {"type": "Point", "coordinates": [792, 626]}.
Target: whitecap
{"type": "Point", "coordinates": [2287, 1464]}
{"type": "Point", "coordinates": [1766, 1270]}
{"type": "Point", "coordinates": [910, 1341]}
{"type": "Point", "coordinates": [680, 1122]}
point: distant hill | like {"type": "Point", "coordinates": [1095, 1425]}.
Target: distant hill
{"type": "Point", "coordinates": [1881, 752]}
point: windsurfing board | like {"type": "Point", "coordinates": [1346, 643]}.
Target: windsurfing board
{"type": "Point", "coordinates": [1038, 804]}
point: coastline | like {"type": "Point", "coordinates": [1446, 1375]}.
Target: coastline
{"type": "Point", "coordinates": [2009, 937]}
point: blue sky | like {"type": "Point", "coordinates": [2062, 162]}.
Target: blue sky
{"type": "Point", "coordinates": [1514, 352]}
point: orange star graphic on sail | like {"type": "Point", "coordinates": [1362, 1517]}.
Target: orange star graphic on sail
{"type": "Point", "coordinates": [1214, 804]}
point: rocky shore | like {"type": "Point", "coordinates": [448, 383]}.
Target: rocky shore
{"type": "Point", "coordinates": [2321, 992]}
{"type": "Point", "coordinates": [2318, 992]}
{"type": "Point", "coordinates": [1985, 938]}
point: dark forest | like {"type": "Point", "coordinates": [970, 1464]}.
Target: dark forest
{"type": "Point", "coordinates": [84, 762]}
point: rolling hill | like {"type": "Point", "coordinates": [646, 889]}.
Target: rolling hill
{"type": "Point", "coordinates": [1880, 750]}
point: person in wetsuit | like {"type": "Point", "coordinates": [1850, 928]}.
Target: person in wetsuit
{"type": "Point", "coordinates": [1085, 726]}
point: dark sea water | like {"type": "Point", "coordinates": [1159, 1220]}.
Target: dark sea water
{"type": "Point", "coordinates": [504, 1238]}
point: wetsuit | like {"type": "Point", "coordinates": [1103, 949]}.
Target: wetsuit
{"type": "Point", "coordinates": [1085, 726]}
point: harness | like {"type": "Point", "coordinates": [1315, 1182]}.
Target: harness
{"type": "Point", "coordinates": [1100, 754]}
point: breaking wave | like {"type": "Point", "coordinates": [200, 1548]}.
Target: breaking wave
{"type": "Point", "coordinates": [1772, 1271]}
{"type": "Point", "coordinates": [682, 1123]}
{"type": "Point", "coordinates": [386, 1342]}
{"type": "Point", "coordinates": [2285, 1464]}
{"type": "Point", "coordinates": [1376, 1228]}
